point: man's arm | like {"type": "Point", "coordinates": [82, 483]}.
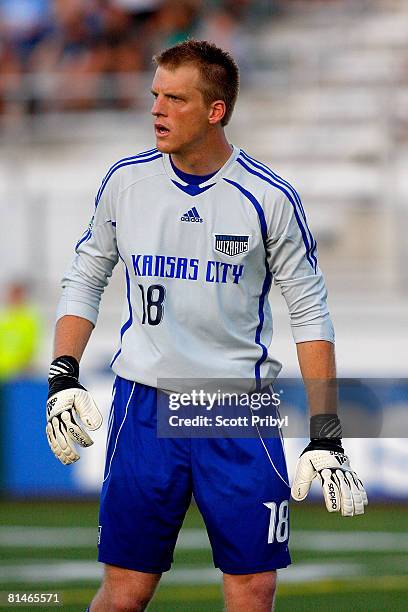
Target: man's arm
{"type": "Point", "coordinates": [70, 407]}
{"type": "Point", "coordinates": [67, 398]}
{"type": "Point", "coordinates": [318, 367]}
{"type": "Point", "coordinates": [293, 264]}
{"type": "Point", "coordinates": [324, 456]}
{"type": "Point", "coordinates": [71, 336]}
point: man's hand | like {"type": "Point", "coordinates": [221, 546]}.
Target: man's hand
{"type": "Point", "coordinates": [67, 400]}
{"type": "Point", "coordinates": [324, 457]}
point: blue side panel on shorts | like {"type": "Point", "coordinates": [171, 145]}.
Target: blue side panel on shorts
{"type": "Point", "coordinates": [240, 486]}
{"type": "Point", "coordinates": [147, 486]}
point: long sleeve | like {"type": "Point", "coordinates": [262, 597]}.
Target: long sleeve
{"type": "Point", "coordinates": [292, 260]}
{"type": "Point", "coordinates": [96, 255]}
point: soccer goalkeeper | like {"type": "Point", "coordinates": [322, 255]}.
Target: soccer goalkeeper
{"type": "Point", "coordinates": [202, 229]}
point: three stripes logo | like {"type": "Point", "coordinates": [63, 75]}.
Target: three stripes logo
{"type": "Point", "coordinates": [192, 216]}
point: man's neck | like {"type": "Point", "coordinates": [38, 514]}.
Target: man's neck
{"type": "Point", "coordinates": [205, 159]}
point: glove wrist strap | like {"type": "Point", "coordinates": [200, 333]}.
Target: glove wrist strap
{"type": "Point", "coordinates": [324, 426]}
{"type": "Point", "coordinates": [325, 433]}
{"type": "Point", "coordinates": [63, 374]}
{"type": "Point", "coordinates": [66, 365]}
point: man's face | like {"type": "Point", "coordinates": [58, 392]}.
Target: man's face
{"type": "Point", "coordinates": [181, 116]}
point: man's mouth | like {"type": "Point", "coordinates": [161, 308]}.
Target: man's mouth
{"type": "Point", "coordinates": [160, 129]}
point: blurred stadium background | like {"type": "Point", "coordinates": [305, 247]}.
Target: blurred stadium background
{"type": "Point", "coordinates": [324, 101]}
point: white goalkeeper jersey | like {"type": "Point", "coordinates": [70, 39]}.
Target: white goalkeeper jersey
{"type": "Point", "coordinates": [199, 261]}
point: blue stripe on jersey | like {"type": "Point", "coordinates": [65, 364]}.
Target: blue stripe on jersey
{"type": "Point", "coordinates": [273, 174]}
{"type": "Point", "coordinates": [136, 159]}
{"type": "Point", "coordinates": [267, 280]}
{"type": "Point", "coordinates": [269, 172]}
{"type": "Point", "coordinates": [256, 205]}
{"type": "Point", "coordinates": [84, 238]}
{"type": "Point", "coordinates": [129, 322]}
{"type": "Point", "coordinates": [265, 290]}
{"type": "Point", "coordinates": [278, 178]}
{"type": "Point", "coordinates": [310, 247]}
{"type": "Point", "coordinates": [124, 159]}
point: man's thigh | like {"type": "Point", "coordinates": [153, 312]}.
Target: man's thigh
{"type": "Point", "coordinates": [241, 488]}
{"type": "Point", "coordinates": [147, 485]}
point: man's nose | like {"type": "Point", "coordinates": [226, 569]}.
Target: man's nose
{"type": "Point", "coordinates": [158, 107]}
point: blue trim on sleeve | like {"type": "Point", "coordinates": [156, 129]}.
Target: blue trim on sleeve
{"type": "Point", "coordinates": [267, 280]}
{"type": "Point", "coordinates": [289, 192]}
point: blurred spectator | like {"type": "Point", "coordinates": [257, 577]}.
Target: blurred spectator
{"type": "Point", "coordinates": [173, 23]}
{"type": "Point", "coordinates": [177, 21]}
{"type": "Point", "coordinates": [139, 10]}
{"type": "Point", "coordinates": [19, 332]}
{"type": "Point", "coordinates": [85, 54]}
{"type": "Point", "coordinates": [69, 53]}
{"type": "Point", "coordinates": [24, 23]}
{"type": "Point", "coordinates": [117, 55]}
{"type": "Point", "coordinates": [224, 29]}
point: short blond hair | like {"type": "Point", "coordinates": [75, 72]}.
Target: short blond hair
{"type": "Point", "coordinates": [218, 69]}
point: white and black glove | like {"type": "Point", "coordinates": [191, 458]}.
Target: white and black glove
{"type": "Point", "coordinates": [324, 457]}
{"type": "Point", "coordinates": [68, 400]}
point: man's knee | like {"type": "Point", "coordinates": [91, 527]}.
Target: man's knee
{"type": "Point", "coordinates": [124, 591]}
{"type": "Point", "coordinates": [263, 586]}
{"type": "Point", "coordinates": [259, 588]}
{"type": "Point", "coordinates": [128, 601]}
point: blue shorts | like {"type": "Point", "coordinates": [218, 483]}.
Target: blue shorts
{"type": "Point", "coordinates": [239, 485]}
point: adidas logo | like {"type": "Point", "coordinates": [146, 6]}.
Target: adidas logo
{"type": "Point", "coordinates": [192, 216]}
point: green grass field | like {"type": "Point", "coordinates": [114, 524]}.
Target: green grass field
{"type": "Point", "coordinates": [339, 565]}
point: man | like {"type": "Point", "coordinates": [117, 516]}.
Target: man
{"type": "Point", "coordinates": [201, 229]}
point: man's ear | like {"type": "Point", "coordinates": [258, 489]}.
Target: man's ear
{"type": "Point", "coordinates": [217, 112]}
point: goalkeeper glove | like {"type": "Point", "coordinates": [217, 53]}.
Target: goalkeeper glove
{"type": "Point", "coordinates": [67, 400]}
{"type": "Point", "coordinates": [324, 458]}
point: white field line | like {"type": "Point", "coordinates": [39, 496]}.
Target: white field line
{"type": "Point", "coordinates": [69, 571]}
{"type": "Point", "coordinates": [197, 539]}
{"type": "Point", "coordinates": [356, 541]}
{"type": "Point", "coordinates": [81, 537]}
